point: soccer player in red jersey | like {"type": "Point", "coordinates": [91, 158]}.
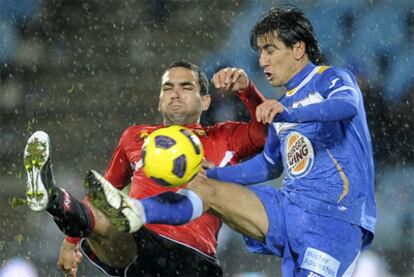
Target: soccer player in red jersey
{"type": "Point", "coordinates": [155, 249]}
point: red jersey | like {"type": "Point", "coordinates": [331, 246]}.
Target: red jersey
{"type": "Point", "coordinates": [224, 143]}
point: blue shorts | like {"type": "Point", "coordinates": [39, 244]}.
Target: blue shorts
{"type": "Point", "coordinates": [309, 244]}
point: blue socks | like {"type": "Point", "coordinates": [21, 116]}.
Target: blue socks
{"type": "Point", "coordinates": [172, 208]}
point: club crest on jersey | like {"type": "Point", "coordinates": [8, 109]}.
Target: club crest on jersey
{"type": "Point", "coordinates": [299, 155]}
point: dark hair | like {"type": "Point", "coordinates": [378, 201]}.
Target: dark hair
{"type": "Point", "coordinates": [202, 79]}
{"type": "Point", "coordinates": [291, 25]}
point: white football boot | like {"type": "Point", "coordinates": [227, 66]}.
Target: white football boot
{"type": "Point", "coordinates": [38, 165]}
{"type": "Point", "coordinates": [125, 213]}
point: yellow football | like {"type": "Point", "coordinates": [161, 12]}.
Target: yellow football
{"type": "Point", "coordinates": [172, 156]}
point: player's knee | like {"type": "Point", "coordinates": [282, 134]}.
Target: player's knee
{"type": "Point", "coordinates": [119, 253]}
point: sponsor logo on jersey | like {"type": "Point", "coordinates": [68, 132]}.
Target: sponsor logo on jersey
{"type": "Point", "coordinates": [143, 134]}
{"type": "Point", "coordinates": [333, 82]}
{"type": "Point", "coordinates": [67, 203]}
{"type": "Point", "coordinates": [200, 132]}
{"type": "Point", "coordinates": [299, 155]}
{"type": "Point", "coordinates": [320, 263]}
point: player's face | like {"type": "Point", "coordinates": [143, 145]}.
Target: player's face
{"type": "Point", "coordinates": [180, 99]}
{"type": "Point", "coordinates": [280, 62]}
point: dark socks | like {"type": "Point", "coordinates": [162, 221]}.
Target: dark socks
{"type": "Point", "coordinates": [72, 217]}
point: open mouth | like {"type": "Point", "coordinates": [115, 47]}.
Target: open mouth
{"type": "Point", "coordinates": [268, 75]}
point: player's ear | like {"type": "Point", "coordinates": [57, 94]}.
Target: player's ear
{"type": "Point", "coordinates": [299, 50]}
{"type": "Point", "coordinates": [160, 97]}
{"type": "Point", "coordinates": [206, 101]}
{"type": "Point", "coordinates": [159, 105]}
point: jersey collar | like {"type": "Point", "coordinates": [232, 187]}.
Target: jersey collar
{"type": "Point", "coordinates": [299, 77]}
{"type": "Point", "coordinates": [189, 126]}
{"type": "Point", "coordinates": [196, 128]}
{"type": "Point", "coordinates": [193, 126]}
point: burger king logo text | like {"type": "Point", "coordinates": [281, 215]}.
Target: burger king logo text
{"type": "Point", "coordinates": [299, 155]}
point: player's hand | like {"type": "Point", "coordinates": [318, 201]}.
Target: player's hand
{"type": "Point", "coordinates": [230, 79]}
{"type": "Point", "coordinates": [266, 111]}
{"type": "Point", "coordinates": [205, 165]}
{"type": "Point", "coordinates": [69, 259]}
{"type": "Point", "coordinates": [198, 179]}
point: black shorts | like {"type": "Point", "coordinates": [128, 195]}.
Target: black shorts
{"type": "Point", "coordinates": [159, 256]}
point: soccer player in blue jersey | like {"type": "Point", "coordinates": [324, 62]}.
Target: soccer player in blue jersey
{"type": "Point", "coordinates": [325, 214]}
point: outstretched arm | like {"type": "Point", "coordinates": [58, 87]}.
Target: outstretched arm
{"type": "Point", "coordinates": [340, 106]}
{"type": "Point", "coordinates": [263, 167]}
{"type": "Point", "coordinates": [255, 170]}
{"type": "Point", "coordinates": [337, 100]}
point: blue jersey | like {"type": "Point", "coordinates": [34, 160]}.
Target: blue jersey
{"type": "Point", "coordinates": [322, 143]}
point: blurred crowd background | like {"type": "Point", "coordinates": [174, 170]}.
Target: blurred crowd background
{"type": "Point", "coordinates": [84, 70]}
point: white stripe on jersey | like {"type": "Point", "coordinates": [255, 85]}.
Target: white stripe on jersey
{"type": "Point", "coordinates": [341, 89]}
{"type": "Point", "coordinates": [283, 126]}
{"type": "Point", "coordinates": [227, 158]}
{"type": "Point", "coordinates": [268, 158]}
{"type": "Point", "coordinates": [312, 98]}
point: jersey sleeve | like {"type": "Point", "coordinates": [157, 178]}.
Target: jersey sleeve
{"type": "Point", "coordinates": [251, 98]}
{"type": "Point", "coordinates": [243, 138]}
{"type": "Point", "coordinates": [339, 100]}
{"type": "Point", "coordinates": [119, 170]}
{"type": "Point", "coordinates": [263, 167]}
